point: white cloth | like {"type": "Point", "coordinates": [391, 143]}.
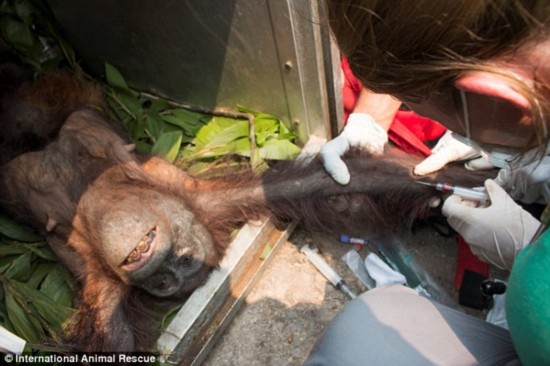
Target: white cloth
{"type": "Point", "coordinates": [383, 274]}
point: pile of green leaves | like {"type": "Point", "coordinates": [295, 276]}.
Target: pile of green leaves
{"type": "Point", "coordinates": [36, 291]}
{"type": "Point", "coordinates": [196, 140]}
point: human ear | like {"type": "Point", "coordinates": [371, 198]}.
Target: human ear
{"type": "Point", "coordinates": [490, 85]}
{"type": "Point", "coordinates": [498, 112]}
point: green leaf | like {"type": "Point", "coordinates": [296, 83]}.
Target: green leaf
{"type": "Point", "coordinates": [264, 129]}
{"type": "Point", "coordinates": [25, 325]}
{"type": "Point", "coordinates": [20, 268]}
{"type": "Point", "coordinates": [143, 147]}
{"type": "Point", "coordinates": [24, 10]}
{"type": "Point", "coordinates": [114, 77]}
{"type": "Point", "coordinates": [6, 261]}
{"type": "Point", "coordinates": [153, 123]}
{"type": "Point", "coordinates": [58, 286]}
{"type": "Point", "coordinates": [12, 248]}
{"type": "Point", "coordinates": [279, 150]}
{"type": "Point", "coordinates": [16, 231]}
{"type": "Point", "coordinates": [43, 251]}
{"type": "Point", "coordinates": [158, 105]}
{"type": "Point", "coordinates": [138, 133]}
{"type": "Point", "coordinates": [115, 106]}
{"type": "Point", "coordinates": [168, 145]}
{"type": "Point", "coordinates": [54, 314]}
{"type": "Point", "coordinates": [39, 273]}
{"type": "Point", "coordinates": [16, 32]}
{"type": "Point", "coordinates": [221, 131]}
{"type": "Point", "coordinates": [284, 132]}
{"type": "Point", "coordinates": [129, 101]}
{"type": "Point", "coordinates": [214, 127]}
{"type": "Point", "coordinates": [189, 122]}
{"type": "Point", "coordinates": [267, 126]}
{"type": "Point", "coordinates": [237, 130]}
{"type": "Point", "coordinates": [240, 146]}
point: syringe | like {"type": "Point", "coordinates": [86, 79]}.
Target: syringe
{"type": "Point", "coordinates": [466, 193]}
{"type": "Point", "coordinates": [327, 271]}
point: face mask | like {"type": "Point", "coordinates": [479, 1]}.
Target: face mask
{"type": "Point", "coordinates": [498, 156]}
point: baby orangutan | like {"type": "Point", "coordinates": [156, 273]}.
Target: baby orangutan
{"type": "Point", "coordinates": [136, 230]}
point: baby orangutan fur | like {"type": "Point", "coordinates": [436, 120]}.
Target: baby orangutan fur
{"type": "Point", "coordinates": [135, 230]}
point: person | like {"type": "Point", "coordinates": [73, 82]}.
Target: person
{"type": "Point", "coordinates": [372, 119]}
{"type": "Point", "coordinates": [368, 117]}
{"type": "Point", "coordinates": [481, 68]}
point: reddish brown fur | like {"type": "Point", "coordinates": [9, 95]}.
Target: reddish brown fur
{"type": "Point", "coordinates": [60, 190]}
{"type": "Point", "coordinates": [32, 112]}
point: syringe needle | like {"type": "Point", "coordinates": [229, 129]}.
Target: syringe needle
{"type": "Point", "coordinates": [466, 193]}
{"type": "Point", "coordinates": [425, 183]}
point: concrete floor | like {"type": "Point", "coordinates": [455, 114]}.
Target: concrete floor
{"type": "Point", "coordinates": [292, 303]}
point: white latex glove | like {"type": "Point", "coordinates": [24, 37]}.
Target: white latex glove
{"type": "Point", "coordinates": [361, 131]}
{"type": "Point", "coordinates": [529, 183]}
{"type": "Point", "coordinates": [495, 233]}
{"type": "Point", "coordinates": [447, 149]}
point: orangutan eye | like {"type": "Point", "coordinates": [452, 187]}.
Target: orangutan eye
{"type": "Point", "coordinates": [142, 247]}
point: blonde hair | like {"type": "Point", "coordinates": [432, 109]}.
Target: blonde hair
{"type": "Point", "coordinates": [410, 49]}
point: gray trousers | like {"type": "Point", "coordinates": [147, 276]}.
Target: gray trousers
{"type": "Point", "coordinates": [395, 326]}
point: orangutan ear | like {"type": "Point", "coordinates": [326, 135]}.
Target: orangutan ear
{"type": "Point", "coordinates": [490, 85]}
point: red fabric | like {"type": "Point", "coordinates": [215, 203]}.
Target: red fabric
{"type": "Point", "coordinates": [407, 140]}
{"type": "Point", "coordinates": [350, 90]}
{"type": "Point", "coordinates": [408, 130]}
{"type": "Point", "coordinates": [467, 260]}
{"type": "Point", "coordinates": [424, 128]}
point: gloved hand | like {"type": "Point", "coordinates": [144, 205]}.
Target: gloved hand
{"type": "Point", "coordinates": [529, 183]}
{"type": "Point", "coordinates": [360, 131]}
{"type": "Point", "coordinates": [447, 149]}
{"type": "Point", "coordinates": [496, 233]}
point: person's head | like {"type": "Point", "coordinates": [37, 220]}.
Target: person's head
{"type": "Point", "coordinates": [480, 67]}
